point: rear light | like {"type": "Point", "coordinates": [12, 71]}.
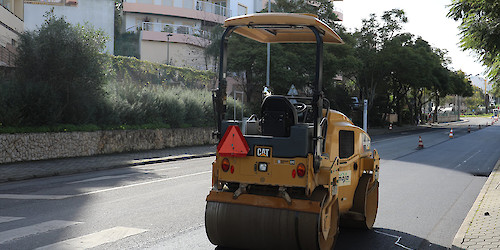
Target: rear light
{"type": "Point", "coordinates": [225, 165]}
{"type": "Point", "coordinates": [294, 173]}
{"type": "Point", "coordinates": [301, 170]}
{"type": "Point", "coordinates": [232, 169]}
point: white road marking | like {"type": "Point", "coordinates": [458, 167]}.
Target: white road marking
{"type": "Point", "coordinates": [95, 239]}
{"type": "Point", "coordinates": [467, 159]}
{"type": "Point", "coordinates": [109, 177]}
{"type": "Point", "coordinates": [4, 219]}
{"type": "Point", "coordinates": [394, 236]}
{"type": "Point", "coordinates": [142, 183]}
{"type": "Point", "coordinates": [59, 197]}
{"type": "Point", "coordinates": [33, 197]}
{"type": "Point", "coordinates": [43, 227]}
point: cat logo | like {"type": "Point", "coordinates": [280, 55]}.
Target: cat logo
{"type": "Point", "coordinates": [263, 152]}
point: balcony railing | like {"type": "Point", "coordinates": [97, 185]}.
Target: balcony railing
{"type": "Point", "coordinates": [53, 2]}
{"type": "Point", "coordinates": [213, 8]}
{"type": "Point", "coordinates": [205, 6]}
{"type": "Point", "coordinates": [174, 28]}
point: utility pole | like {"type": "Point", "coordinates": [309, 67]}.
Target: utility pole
{"type": "Point", "coordinates": [268, 69]}
{"type": "Point", "coordinates": [168, 48]}
{"type": "Point", "coordinates": [365, 115]}
{"type": "Point", "coordinates": [486, 97]}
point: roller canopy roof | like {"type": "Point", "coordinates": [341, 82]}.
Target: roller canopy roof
{"type": "Point", "coordinates": [282, 28]}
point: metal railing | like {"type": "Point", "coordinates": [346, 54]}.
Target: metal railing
{"type": "Point", "coordinates": [213, 8]}
{"type": "Point", "coordinates": [7, 58]}
{"type": "Point", "coordinates": [53, 2]}
{"type": "Point", "coordinates": [200, 5]}
{"type": "Point", "coordinates": [175, 28]}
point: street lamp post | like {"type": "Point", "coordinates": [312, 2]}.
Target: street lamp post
{"type": "Point", "coordinates": [268, 66]}
{"type": "Point", "coordinates": [168, 48]}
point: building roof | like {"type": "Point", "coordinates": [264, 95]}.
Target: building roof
{"type": "Point", "coordinates": [282, 28]}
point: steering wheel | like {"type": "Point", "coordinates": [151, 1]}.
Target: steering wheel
{"type": "Point", "coordinates": [300, 107]}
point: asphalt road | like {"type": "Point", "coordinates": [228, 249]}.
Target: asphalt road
{"type": "Point", "coordinates": [424, 197]}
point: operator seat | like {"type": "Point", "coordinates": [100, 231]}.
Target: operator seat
{"type": "Point", "coordinates": [278, 115]}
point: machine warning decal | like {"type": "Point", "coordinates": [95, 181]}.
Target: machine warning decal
{"type": "Point", "coordinates": [344, 178]}
{"type": "Point", "coordinates": [262, 152]}
{"type": "Point", "coordinates": [282, 162]}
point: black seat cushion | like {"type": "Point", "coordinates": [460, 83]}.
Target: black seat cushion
{"type": "Point", "coordinates": [278, 115]}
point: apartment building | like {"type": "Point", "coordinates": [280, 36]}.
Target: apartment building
{"type": "Point", "coordinates": [98, 13]}
{"type": "Point", "coordinates": [176, 32]}
{"type": "Point", "coordinates": [11, 25]}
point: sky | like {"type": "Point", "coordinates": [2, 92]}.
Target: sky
{"type": "Point", "coordinates": [426, 18]}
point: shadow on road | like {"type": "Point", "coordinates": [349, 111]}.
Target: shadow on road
{"type": "Point", "coordinates": [381, 238]}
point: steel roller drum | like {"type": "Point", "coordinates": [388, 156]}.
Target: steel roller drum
{"type": "Point", "coordinates": [251, 227]}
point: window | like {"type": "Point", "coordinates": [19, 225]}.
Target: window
{"type": "Point", "coordinates": [5, 3]}
{"type": "Point", "coordinates": [242, 9]}
{"type": "Point", "coordinates": [346, 144]}
{"type": "Point", "coordinates": [167, 3]}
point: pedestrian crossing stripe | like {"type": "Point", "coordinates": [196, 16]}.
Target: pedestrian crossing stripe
{"type": "Point", "coordinates": [43, 227]}
{"type": "Point", "coordinates": [95, 239]}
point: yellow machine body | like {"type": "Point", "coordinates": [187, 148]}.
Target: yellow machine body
{"type": "Point", "coordinates": [300, 170]}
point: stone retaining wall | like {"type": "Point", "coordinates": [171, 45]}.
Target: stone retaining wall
{"type": "Point", "coordinates": [42, 146]}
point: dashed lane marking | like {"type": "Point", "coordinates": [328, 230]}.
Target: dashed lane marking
{"type": "Point", "coordinates": [94, 239]}
{"type": "Point", "coordinates": [460, 164]}
{"type": "Point", "coordinates": [43, 227]}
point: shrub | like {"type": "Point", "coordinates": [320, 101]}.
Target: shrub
{"type": "Point", "coordinates": [135, 104]}
{"type": "Point", "coordinates": [61, 67]}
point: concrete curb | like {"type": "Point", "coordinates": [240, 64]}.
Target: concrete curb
{"type": "Point", "coordinates": [168, 159]}
{"type": "Point", "coordinates": [459, 237]}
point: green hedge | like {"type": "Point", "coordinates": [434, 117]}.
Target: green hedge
{"type": "Point", "coordinates": [131, 69]}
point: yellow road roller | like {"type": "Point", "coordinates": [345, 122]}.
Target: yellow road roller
{"type": "Point", "coordinates": [289, 177]}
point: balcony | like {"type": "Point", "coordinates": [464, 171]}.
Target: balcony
{"type": "Point", "coordinates": [200, 10]}
{"type": "Point", "coordinates": [213, 8]}
{"type": "Point", "coordinates": [53, 2]}
{"type": "Point", "coordinates": [176, 34]}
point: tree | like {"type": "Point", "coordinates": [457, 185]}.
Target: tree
{"type": "Point", "coordinates": [126, 43]}
{"type": "Point", "coordinates": [479, 30]}
{"type": "Point", "coordinates": [65, 61]}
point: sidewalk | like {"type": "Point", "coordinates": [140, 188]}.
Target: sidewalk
{"type": "Point", "coordinates": [481, 227]}
{"type": "Point", "coordinates": [45, 168]}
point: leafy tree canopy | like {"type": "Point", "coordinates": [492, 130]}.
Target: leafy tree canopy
{"type": "Point", "coordinates": [480, 30]}
{"type": "Point", "coordinates": [66, 61]}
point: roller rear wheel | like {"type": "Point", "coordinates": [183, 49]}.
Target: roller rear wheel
{"type": "Point", "coordinates": [253, 227]}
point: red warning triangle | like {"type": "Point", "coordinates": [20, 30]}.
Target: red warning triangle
{"type": "Point", "coordinates": [233, 143]}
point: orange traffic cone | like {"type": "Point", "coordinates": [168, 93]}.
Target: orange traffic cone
{"type": "Point", "coordinates": [390, 126]}
{"type": "Point", "coordinates": [468, 129]}
{"type": "Point", "coordinates": [420, 143]}
{"type": "Point", "coordinates": [451, 134]}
